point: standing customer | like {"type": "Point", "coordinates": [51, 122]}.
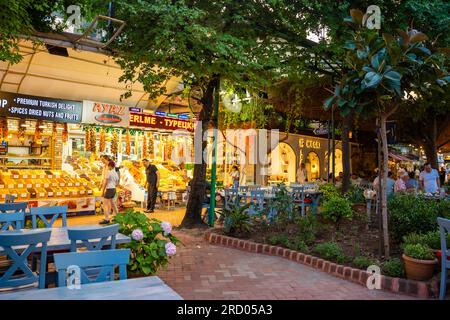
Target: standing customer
{"type": "Point", "coordinates": [235, 176]}
{"type": "Point", "coordinates": [429, 179]}
{"type": "Point", "coordinates": [302, 174]}
{"type": "Point", "coordinates": [151, 184]}
{"type": "Point", "coordinates": [109, 192]}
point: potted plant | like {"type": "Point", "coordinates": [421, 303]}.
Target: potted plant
{"type": "Point", "coordinates": [419, 261]}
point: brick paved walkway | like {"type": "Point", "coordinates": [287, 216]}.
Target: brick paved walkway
{"type": "Point", "coordinates": [204, 271]}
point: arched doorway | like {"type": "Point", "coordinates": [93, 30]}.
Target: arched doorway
{"type": "Point", "coordinates": [313, 166]}
{"type": "Point", "coordinates": [282, 164]}
{"type": "Point", "coordinates": [338, 167]}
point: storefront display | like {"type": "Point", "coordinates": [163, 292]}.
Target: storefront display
{"type": "Point", "coordinates": [49, 188]}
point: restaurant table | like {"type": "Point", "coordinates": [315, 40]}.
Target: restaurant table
{"type": "Point", "coordinates": [59, 239]}
{"type": "Point", "coordinates": [60, 242]}
{"type": "Point", "coordinates": [146, 288]}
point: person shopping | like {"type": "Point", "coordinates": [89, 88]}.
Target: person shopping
{"type": "Point", "coordinates": [151, 184]}
{"type": "Point", "coordinates": [235, 176]}
{"type": "Point", "coordinates": [109, 192]}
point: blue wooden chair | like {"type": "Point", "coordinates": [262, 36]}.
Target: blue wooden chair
{"type": "Point", "coordinates": [30, 239]}
{"type": "Point", "coordinates": [231, 195]}
{"type": "Point", "coordinates": [93, 239]}
{"type": "Point", "coordinates": [257, 200]}
{"type": "Point", "coordinates": [13, 221]}
{"type": "Point", "coordinates": [43, 212]}
{"type": "Point", "coordinates": [444, 228]}
{"type": "Point", "coordinates": [298, 197]}
{"type": "Point", "coordinates": [13, 207]}
{"type": "Point", "coordinates": [105, 260]}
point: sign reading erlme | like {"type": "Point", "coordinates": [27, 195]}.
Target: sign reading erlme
{"type": "Point", "coordinates": [158, 122]}
{"type": "Point", "coordinates": [31, 107]}
{"type": "Point", "coordinates": [102, 113]}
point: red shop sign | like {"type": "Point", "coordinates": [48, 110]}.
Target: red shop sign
{"type": "Point", "coordinates": [156, 122]}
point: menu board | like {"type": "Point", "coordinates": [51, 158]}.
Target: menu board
{"type": "Point", "coordinates": [32, 107]}
{"type": "Point", "coordinates": [157, 122]}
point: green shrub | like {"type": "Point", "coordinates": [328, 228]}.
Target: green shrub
{"type": "Point", "coordinates": [337, 208]}
{"type": "Point", "coordinates": [148, 244]}
{"type": "Point", "coordinates": [279, 239]}
{"type": "Point", "coordinates": [431, 239]}
{"type": "Point", "coordinates": [418, 251]}
{"type": "Point", "coordinates": [307, 228]}
{"type": "Point", "coordinates": [363, 262]}
{"type": "Point", "coordinates": [355, 194]}
{"type": "Point", "coordinates": [331, 251]}
{"type": "Point", "coordinates": [299, 245]}
{"type": "Point", "coordinates": [329, 190]}
{"type": "Point", "coordinates": [409, 213]}
{"type": "Point", "coordinates": [393, 268]}
{"type": "Point", "coordinates": [283, 204]}
{"type": "Point", "coordinates": [236, 219]}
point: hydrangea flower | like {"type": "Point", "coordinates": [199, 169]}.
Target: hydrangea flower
{"type": "Point", "coordinates": [137, 235]}
{"type": "Point", "coordinates": [171, 249]}
{"type": "Point", "coordinates": [167, 227]}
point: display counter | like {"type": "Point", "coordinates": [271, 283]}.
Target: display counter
{"type": "Point", "coordinates": [49, 188]}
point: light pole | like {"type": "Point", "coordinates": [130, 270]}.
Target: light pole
{"type": "Point", "coordinates": [214, 156]}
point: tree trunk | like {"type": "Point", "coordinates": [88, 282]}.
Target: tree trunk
{"type": "Point", "coordinates": [346, 153]}
{"type": "Point", "coordinates": [430, 147]}
{"type": "Point", "coordinates": [384, 174]}
{"type": "Point", "coordinates": [192, 217]}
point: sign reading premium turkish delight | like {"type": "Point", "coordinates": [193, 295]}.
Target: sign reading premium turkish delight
{"type": "Point", "coordinates": [102, 113]}
{"type": "Point", "coordinates": [31, 107]}
{"type": "Point", "coordinates": [158, 122]}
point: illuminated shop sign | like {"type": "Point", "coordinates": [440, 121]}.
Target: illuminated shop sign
{"type": "Point", "coordinates": [157, 122]}
{"type": "Point", "coordinates": [306, 143]}
{"type": "Point", "coordinates": [105, 114]}
{"type": "Point", "coordinates": [32, 107]}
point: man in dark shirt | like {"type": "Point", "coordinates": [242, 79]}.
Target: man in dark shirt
{"type": "Point", "coordinates": [151, 184]}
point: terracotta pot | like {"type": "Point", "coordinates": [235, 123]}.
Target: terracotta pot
{"type": "Point", "coordinates": [417, 269]}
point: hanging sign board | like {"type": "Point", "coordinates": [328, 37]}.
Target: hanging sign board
{"type": "Point", "coordinates": [157, 122]}
{"type": "Point", "coordinates": [32, 107]}
{"type": "Point", "coordinates": [106, 114]}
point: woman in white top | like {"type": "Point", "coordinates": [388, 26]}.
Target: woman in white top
{"type": "Point", "coordinates": [235, 176]}
{"type": "Point", "coordinates": [109, 192]}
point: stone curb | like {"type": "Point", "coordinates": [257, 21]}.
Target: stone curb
{"type": "Point", "coordinates": [420, 289]}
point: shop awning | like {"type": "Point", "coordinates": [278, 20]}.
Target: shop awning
{"type": "Point", "coordinates": [398, 157]}
{"type": "Point", "coordinates": [74, 75]}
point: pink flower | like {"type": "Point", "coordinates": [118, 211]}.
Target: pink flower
{"type": "Point", "coordinates": [171, 249]}
{"type": "Point", "coordinates": [167, 227]}
{"type": "Point", "coordinates": [137, 235]}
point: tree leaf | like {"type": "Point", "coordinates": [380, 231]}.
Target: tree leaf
{"type": "Point", "coordinates": [362, 54]}
{"type": "Point", "coordinates": [327, 103]}
{"type": "Point", "coordinates": [357, 16]}
{"type": "Point", "coordinates": [350, 44]}
{"type": "Point", "coordinates": [393, 76]}
{"type": "Point", "coordinates": [418, 37]}
{"type": "Point", "coordinates": [372, 79]}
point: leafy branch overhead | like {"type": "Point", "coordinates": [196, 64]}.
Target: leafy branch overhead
{"type": "Point", "coordinates": [380, 69]}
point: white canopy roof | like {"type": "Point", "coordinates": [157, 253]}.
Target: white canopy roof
{"type": "Point", "coordinates": [83, 75]}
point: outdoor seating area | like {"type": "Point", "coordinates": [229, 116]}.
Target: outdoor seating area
{"type": "Point", "coordinates": [38, 262]}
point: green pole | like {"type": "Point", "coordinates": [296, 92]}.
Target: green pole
{"type": "Point", "coordinates": [214, 155]}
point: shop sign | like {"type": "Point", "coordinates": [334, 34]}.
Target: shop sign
{"type": "Point", "coordinates": [105, 114]}
{"type": "Point", "coordinates": [320, 131]}
{"type": "Point", "coordinates": [3, 148]}
{"type": "Point", "coordinates": [306, 143]}
{"type": "Point", "coordinates": [134, 109]}
{"type": "Point", "coordinates": [32, 107]}
{"type": "Point", "coordinates": [156, 122]}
